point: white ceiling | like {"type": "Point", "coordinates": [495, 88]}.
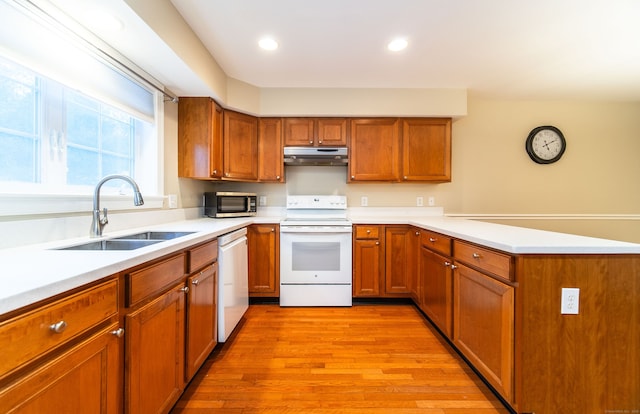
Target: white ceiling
{"type": "Point", "coordinates": [558, 49]}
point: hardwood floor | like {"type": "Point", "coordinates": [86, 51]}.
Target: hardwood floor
{"type": "Point", "coordinates": [363, 359]}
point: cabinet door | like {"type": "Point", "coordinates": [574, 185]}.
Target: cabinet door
{"type": "Point", "coordinates": [83, 379]}
{"type": "Point", "coordinates": [483, 326]}
{"type": "Point", "coordinates": [331, 132]}
{"type": "Point", "coordinates": [270, 152]}
{"type": "Point", "coordinates": [374, 153]}
{"type": "Point", "coordinates": [437, 289]}
{"type": "Point", "coordinates": [202, 331]}
{"type": "Point", "coordinates": [200, 152]}
{"type": "Point", "coordinates": [426, 149]}
{"type": "Point", "coordinates": [367, 268]}
{"type": "Point", "coordinates": [154, 371]}
{"type": "Point", "coordinates": [299, 132]}
{"type": "Point", "coordinates": [264, 260]}
{"type": "Point", "coordinates": [399, 242]}
{"type": "Point", "coordinates": [240, 146]}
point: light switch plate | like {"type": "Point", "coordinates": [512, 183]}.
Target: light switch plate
{"type": "Point", "coordinates": [173, 201]}
{"type": "Point", "coordinates": [570, 304]}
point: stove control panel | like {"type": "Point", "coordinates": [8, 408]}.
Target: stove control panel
{"type": "Point", "coordinates": [317, 202]}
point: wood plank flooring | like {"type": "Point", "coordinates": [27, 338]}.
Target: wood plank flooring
{"type": "Point", "coordinates": [363, 359]}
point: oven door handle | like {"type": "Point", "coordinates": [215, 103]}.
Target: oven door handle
{"type": "Point", "coordinates": [316, 229]}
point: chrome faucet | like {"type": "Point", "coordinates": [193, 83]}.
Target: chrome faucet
{"type": "Point", "coordinates": [99, 221]}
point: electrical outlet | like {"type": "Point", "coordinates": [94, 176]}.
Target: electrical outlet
{"type": "Point", "coordinates": [570, 304]}
{"type": "Point", "coordinates": [364, 201]}
{"type": "Point", "coordinates": [419, 201]}
{"type": "Point", "coordinates": [431, 201]}
{"type": "Point", "coordinates": [173, 201]}
{"type": "Point", "coordinates": [262, 200]}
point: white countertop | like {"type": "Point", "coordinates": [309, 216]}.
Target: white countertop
{"type": "Point", "coordinates": [33, 273]}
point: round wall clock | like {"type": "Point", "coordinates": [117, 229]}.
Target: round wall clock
{"type": "Point", "coordinates": [545, 144]}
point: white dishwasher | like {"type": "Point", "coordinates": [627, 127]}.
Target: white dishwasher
{"type": "Point", "coordinates": [233, 281]}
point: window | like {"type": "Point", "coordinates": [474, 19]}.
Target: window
{"type": "Point", "coordinates": [69, 118]}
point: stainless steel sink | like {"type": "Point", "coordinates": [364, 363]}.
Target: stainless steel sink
{"type": "Point", "coordinates": [155, 235]}
{"type": "Point", "coordinates": [112, 244]}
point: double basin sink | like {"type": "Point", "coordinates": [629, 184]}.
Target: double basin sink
{"type": "Point", "coordinates": [130, 242]}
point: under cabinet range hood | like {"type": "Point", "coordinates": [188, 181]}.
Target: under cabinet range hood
{"type": "Point", "coordinates": [315, 156]}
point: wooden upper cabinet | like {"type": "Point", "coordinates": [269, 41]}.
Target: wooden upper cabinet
{"type": "Point", "coordinates": [200, 152]}
{"type": "Point", "coordinates": [240, 137]}
{"type": "Point", "coordinates": [426, 149]}
{"type": "Point", "coordinates": [270, 153]}
{"type": "Point", "coordinates": [374, 153]}
{"type": "Point", "coordinates": [316, 132]}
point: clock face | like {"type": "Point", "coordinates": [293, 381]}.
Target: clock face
{"type": "Point", "coordinates": [545, 144]}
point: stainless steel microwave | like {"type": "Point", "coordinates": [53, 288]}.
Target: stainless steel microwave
{"type": "Point", "coordinates": [230, 204]}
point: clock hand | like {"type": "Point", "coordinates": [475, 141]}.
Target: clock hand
{"type": "Point", "coordinates": [546, 144]}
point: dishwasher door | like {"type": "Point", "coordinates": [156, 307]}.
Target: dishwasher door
{"type": "Point", "coordinates": [233, 287]}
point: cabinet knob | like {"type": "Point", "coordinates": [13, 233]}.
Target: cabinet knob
{"type": "Point", "coordinates": [404, 178]}
{"type": "Point", "coordinates": [377, 243]}
{"type": "Point", "coordinates": [118, 332]}
{"type": "Point", "coordinates": [368, 231]}
{"type": "Point", "coordinates": [320, 142]}
{"type": "Point", "coordinates": [273, 230]}
{"type": "Point", "coordinates": [215, 172]}
{"type": "Point", "coordinates": [453, 267]}
{"type": "Point", "coordinates": [432, 239]}
{"type": "Point", "coordinates": [310, 142]}
{"type": "Point", "coordinates": [417, 233]}
{"type": "Point", "coordinates": [476, 255]}
{"type": "Point", "coordinates": [447, 264]}
{"type": "Point", "coordinates": [226, 174]}
{"type": "Point", "coordinates": [58, 327]}
{"type": "Point", "coordinates": [277, 177]}
{"type": "Point", "coordinates": [195, 282]}
{"type": "Point", "coordinates": [353, 177]}
{"type": "Point", "coordinates": [185, 289]}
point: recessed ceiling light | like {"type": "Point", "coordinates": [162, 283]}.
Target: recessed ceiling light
{"type": "Point", "coordinates": [268, 43]}
{"type": "Point", "coordinates": [398, 44]}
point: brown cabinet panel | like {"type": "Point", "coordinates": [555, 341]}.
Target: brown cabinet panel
{"type": "Point", "coordinates": [240, 136]}
{"type": "Point", "coordinates": [264, 260]}
{"type": "Point", "coordinates": [84, 379]}
{"type": "Point", "coordinates": [374, 153]}
{"type": "Point", "coordinates": [436, 242]}
{"type": "Point", "coordinates": [200, 152]}
{"type": "Point", "coordinates": [31, 335]}
{"type": "Point", "coordinates": [367, 268]}
{"type": "Point", "coordinates": [154, 346]}
{"type": "Point", "coordinates": [270, 150]}
{"type": "Point", "coordinates": [202, 255]}
{"type": "Point", "coordinates": [315, 132]}
{"type": "Point", "coordinates": [400, 245]}
{"type": "Point", "coordinates": [201, 332]}
{"type": "Point", "coordinates": [426, 149]}
{"type": "Point", "coordinates": [437, 289]}
{"type": "Point", "coordinates": [152, 279]}
{"type": "Point", "coordinates": [483, 326]}
{"type": "Point", "coordinates": [484, 259]}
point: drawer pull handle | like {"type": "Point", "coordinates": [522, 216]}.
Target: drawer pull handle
{"type": "Point", "coordinates": [377, 243]}
{"type": "Point", "coordinates": [185, 289]}
{"type": "Point", "coordinates": [453, 267]}
{"type": "Point", "coordinates": [118, 332]}
{"type": "Point", "coordinates": [195, 282]}
{"type": "Point", "coordinates": [432, 239]}
{"type": "Point", "coordinates": [476, 255]}
{"type": "Point", "coordinates": [58, 327]}
{"type": "Point", "coordinates": [447, 264]}
{"type": "Point", "coordinates": [368, 231]}
{"type": "Point", "coordinates": [417, 233]}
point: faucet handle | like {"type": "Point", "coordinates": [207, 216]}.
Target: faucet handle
{"type": "Point", "coordinates": [104, 219]}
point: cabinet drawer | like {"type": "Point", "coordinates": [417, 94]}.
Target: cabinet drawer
{"type": "Point", "coordinates": [498, 264]}
{"type": "Point", "coordinates": [151, 280]}
{"type": "Point", "coordinates": [202, 255]}
{"type": "Point", "coordinates": [436, 242]}
{"type": "Point", "coordinates": [46, 328]}
{"type": "Point", "coordinates": [367, 232]}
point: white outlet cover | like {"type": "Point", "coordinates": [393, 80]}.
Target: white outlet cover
{"type": "Point", "coordinates": [570, 304]}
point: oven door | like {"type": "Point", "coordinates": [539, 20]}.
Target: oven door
{"type": "Point", "coordinates": [315, 256]}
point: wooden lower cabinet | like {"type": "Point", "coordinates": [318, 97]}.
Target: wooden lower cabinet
{"type": "Point", "coordinates": [483, 326]}
{"type": "Point", "coordinates": [368, 260]}
{"type": "Point", "coordinates": [83, 379]}
{"type": "Point", "coordinates": [437, 289]}
{"type": "Point", "coordinates": [401, 245]}
{"type": "Point", "coordinates": [264, 260]}
{"type": "Point", "coordinates": [202, 327]}
{"type": "Point", "coordinates": [154, 348]}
